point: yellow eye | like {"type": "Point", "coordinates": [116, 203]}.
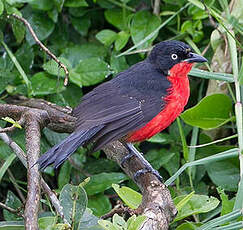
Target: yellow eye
{"type": "Point", "coordinates": [174, 56]}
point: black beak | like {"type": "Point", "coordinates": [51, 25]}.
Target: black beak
{"type": "Point", "coordinates": [192, 57]}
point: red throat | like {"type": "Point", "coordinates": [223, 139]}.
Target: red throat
{"type": "Point", "coordinates": [176, 100]}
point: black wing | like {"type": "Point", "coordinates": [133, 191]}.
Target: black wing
{"type": "Point", "coordinates": [124, 104]}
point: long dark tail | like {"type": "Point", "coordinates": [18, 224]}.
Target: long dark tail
{"type": "Point", "coordinates": [60, 152]}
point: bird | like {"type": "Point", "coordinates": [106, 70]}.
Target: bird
{"type": "Point", "coordinates": [131, 107]}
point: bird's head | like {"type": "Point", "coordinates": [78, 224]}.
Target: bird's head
{"type": "Point", "coordinates": [167, 54]}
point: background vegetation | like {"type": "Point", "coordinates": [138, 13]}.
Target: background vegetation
{"type": "Point", "coordinates": [96, 40]}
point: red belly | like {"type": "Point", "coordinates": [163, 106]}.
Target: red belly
{"type": "Point", "coordinates": [176, 100]}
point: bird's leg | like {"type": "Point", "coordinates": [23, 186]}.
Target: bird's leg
{"type": "Point", "coordinates": [148, 168]}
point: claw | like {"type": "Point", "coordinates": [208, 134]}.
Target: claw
{"type": "Point", "coordinates": [148, 168]}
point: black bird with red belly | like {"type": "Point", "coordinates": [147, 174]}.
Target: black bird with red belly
{"type": "Point", "coordinates": [132, 107]}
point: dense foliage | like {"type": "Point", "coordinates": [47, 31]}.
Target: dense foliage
{"type": "Point", "coordinates": [88, 36]}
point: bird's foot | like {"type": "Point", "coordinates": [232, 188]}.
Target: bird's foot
{"type": "Point", "coordinates": [148, 168]}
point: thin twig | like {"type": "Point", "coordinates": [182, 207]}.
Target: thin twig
{"type": "Point", "coordinates": [156, 10]}
{"type": "Point", "coordinates": [21, 155]}
{"type": "Point", "coordinates": [13, 127]}
{"type": "Point", "coordinates": [43, 47]}
{"type": "Point", "coordinates": [12, 178]}
{"type": "Point", "coordinates": [16, 212]}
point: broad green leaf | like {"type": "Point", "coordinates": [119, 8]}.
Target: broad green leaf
{"type": "Point", "coordinates": [188, 226]}
{"type": "Point", "coordinates": [81, 25]}
{"type": "Point", "coordinates": [64, 175]}
{"type": "Point", "coordinates": [89, 221]}
{"type": "Point", "coordinates": [43, 84]}
{"type": "Point", "coordinates": [184, 201]}
{"type": "Point", "coordinates": [6, 165]}
{"type": "Point", "coordinates": [107, 37]}
{"type": "Point", "coordinates": [99, 204]}
{"type": "Point", "coordinates": [47, 222]}
{"type": "Point", "coordinates": [101, 182]}
{"type": "Point", "coordinates": [44, 5]}
{"type": "Point", "coordinates": [211, 112]}
{"type": "Point", "coordinates": [53, 68]}
{"type": "Point", "coordinates": [134, 223]}
{"type": "Point", "coordinates": [130, 197]}
{"type": "Point", "coordinates": [75, 3]}
{"type": "Point", "coordinates": [78, 53]}
{"type": "Point", "coordinates": [119, 222]}
{"type": "Point", "coordinates": [25, 57]}
{"type": "Point", "coordinates": [1, 7]}
{"type": "Point", "coordinates": [121, 40]}
{"type": "Point", "coordinates": [117, 19]}
{"type": "Point", "coordinates": [225, 173]}
{"type": "Point", "coordinates": [197, 204]}
{"type": "Point", "coordinates": [74, 200]}
{"type": "Point", "coordinates": [107, 225]}
{"type": "Point", "coordinates": [197, 3]}
{"type": "Point", "coordinates": [14, 202]}
{"type": "Point", "coordinates": [18, 30]}
{"type": "Point", "coordinates": [6, 77]}
{"type": "Point", "coordinates": [118, 64]}
{"type": "Point", "coordinates": [12, 225]}
{"type": "Point", "coordinates": [161, 138]}
{"type": "Point", "coordinates": [159, 157]}
{"type": "Point", "coordinates": [42, 26]}
{"type": "Point", "coordinates": [143, 24]}
{"type": "Point", "coordinates": [59, 4]}
{"type": "Point", "coordinates": [227, 204]}
{"type": "Point", "coordinates": [12, 2]}
{"type": "Point", "coordinates": [90, 72]}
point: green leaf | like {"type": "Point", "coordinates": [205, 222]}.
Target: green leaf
{"type": "Point", "coordinates": [14, 202]}
{"type": "Point", "coordinates": [12, 121]}
{"type": "Point", "coordinates": [107, 37]}
{"type": "Point", "coordinates": [75, 3]}
{"type": "Point", "coordinates": [75, 54]}
{"type": "Point", "coordinates": [121, 40]}
{"type": "Point", "coordinates": [89, 221]}
{"type": "Point", "coordinates": [64, 175]}
{"type": "Point", "coordinates": [41, 25]}
{"type": "Point", "coordinates": [81, 25]}
{"type": "Point", "coordinates": [130, 197]}
{"type": "Point", "coordinates": [134, 223]}
{"type": "Point", "coordinates": [197, 204]}
{"type": "Point", "coordinates": [197, 3]}
{"type": "Point", "coordinates": [107, 225]}
{"type": "Point", "coordinates": [160, 157]}
{"type": "Point", "coordinates": [161, 138]}
{"type": "Point", "coordinates": [25, 56]}
{"type": "Point", "coordinates": [119, 222]}
{"type": "Point", "coordinates": [6, 165]}
{"type": "Point", "coordinates": [73, 199]}
{"type": "Point", "coordinates": [115, 17]}
{"type": "Point", "coordinates": [40, 87]}
{"type": "Point", "coordinates": [47, 222]}
{"type": "Point", "coordinates": [118, 64]}
{"type": "Point", "coordinates": [99, 204]}
{"type": "Point", "coordinates": [44, 5]}
{"type": "Point", "coordinates": [211, 112]}
{"type": "Point", "coordinates": [143, 24]}
{"type": "Point", "coordinates": [225, 174]}
{"type": "Point", "coordinates": [227, 205]}
{"type": "Point", "coordinates": [12, 225]}
{"type": "Point", "coordinates": [90, 72]}
{"type": "Point", "coordinates": [1, 7]}
{"type": "Point", "coordinates": [184, 201]}
{"type": "Point", "coordinates": [59, 4]}
{"type": "Point", "coordinates": [53, 68]}
{"type": "Point", "coordinates": [188, 226]}
{"type": "Point", "coordinates": [101, 182]}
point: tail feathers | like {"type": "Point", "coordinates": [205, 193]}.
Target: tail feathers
{"type": "Point", "coordinates": [60, 152]}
